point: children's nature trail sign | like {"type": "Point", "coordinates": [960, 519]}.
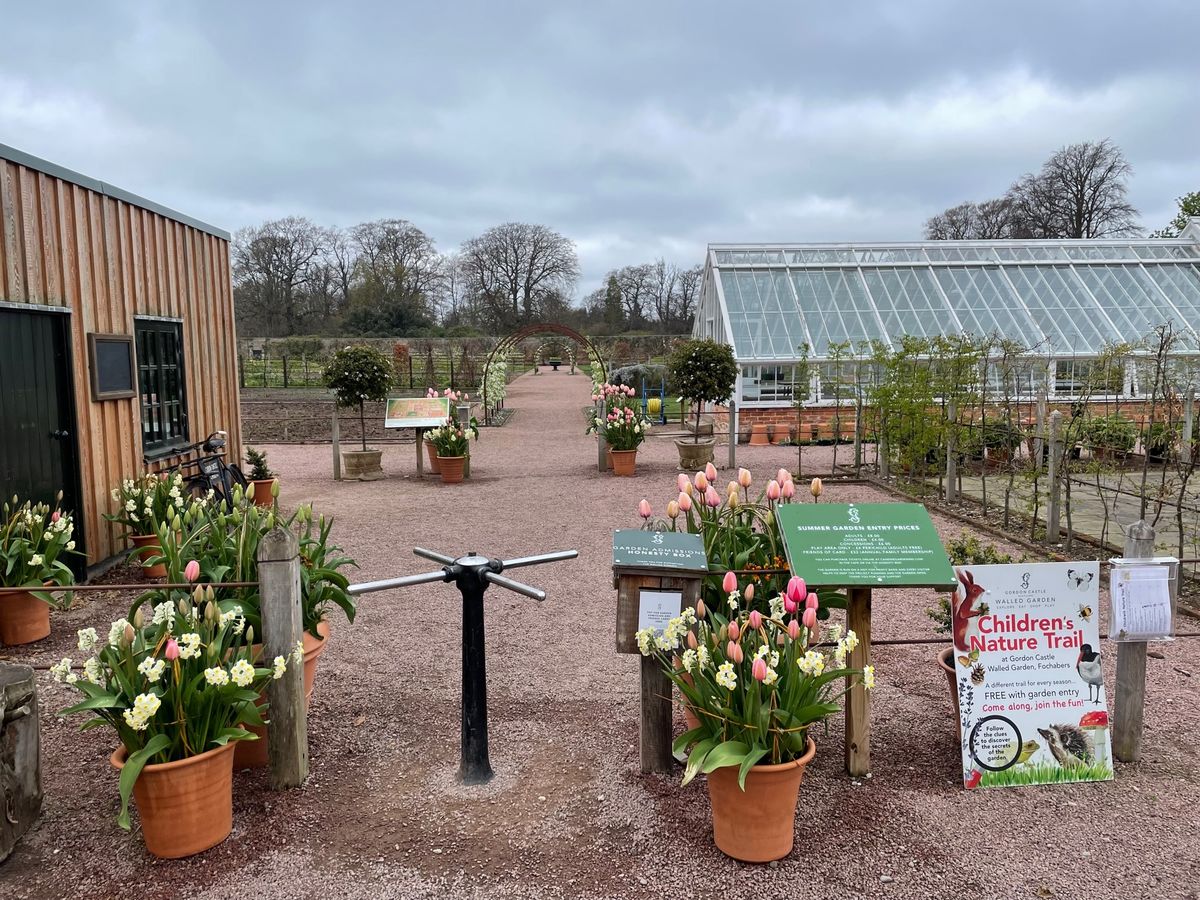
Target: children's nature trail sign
{"type": "Point", "coordinates": [861, 546]}
{"type": "Point", "coordinates": [1030, 682]}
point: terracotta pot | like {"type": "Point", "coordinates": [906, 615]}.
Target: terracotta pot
{"type": "Point", "coordinates": [434, 466]}
{"type": "Point", "coordinates": [758, 435]}
{"type": "Point", "coordinates": [23, 619]}
{"type": "Point", "coordinates": [946, 664]}
{"type": "Point", "coordinates": [607, 456]}
{"type": "Point", "coordinates": [451, 468]}
{"type": "Point", "coordinates": [624, 462]}
{"type": "Point", "coordinates": [185, 806]}
{"type": "Point", "coordinates": [253, 754]}
{"type": "Point", "coordinates": [262, 491]}
{"type": "Point", "coordinates": [758, 824]}
{"type": "Point", "coordinates": [147, 545]}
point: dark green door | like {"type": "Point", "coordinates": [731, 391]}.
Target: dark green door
{"type": "Point", "coordinates": [38, 455]}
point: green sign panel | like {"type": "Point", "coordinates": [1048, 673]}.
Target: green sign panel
{"type": "Point", "coordinates": [636, 549]}
{"type": "Point", "coordinates": [864, 545]}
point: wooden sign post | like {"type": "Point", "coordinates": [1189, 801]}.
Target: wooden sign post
{"type": "Point", "coordinates": [656, 574]}
{"type": "Point", "coordinates": [858, 547]}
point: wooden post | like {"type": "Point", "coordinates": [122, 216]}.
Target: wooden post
{"type": "Point", "coordinates": [1129, 705]}
{"type": "Point", "coordinates": [420, 451]}
{"type": "Point", "coordinates": [732, 435]}
{"type": "Point", "coordinates": [335, 433]}
{"type": "Point", "coordinates": [655, 736]}
{"type": "Point", "coordinates": [283, 628]}
{"type": "Point", "coordinates": [858, 421]}
{"type": "Point", "coordinates": [858, 700]}
{"type": "Point", "coordinates": [1039, 443]}
{"type": "Point", "coordinates": [951, 457]}
{"type": "Point", "coordinates": [20, 763]}
{"type": "Point", "coordinates": [882, 452]}
{"type": "Point", "coordinates": [1054, 459]}
{"type": "Point", "coordinates": [601, 444]}
{"type": "Point", "coordinates": [464, 417]}
{"type": "Point", "coordinates": [1189, 424]}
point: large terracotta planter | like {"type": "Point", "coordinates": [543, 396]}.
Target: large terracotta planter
{"type": "Point", "coordinates": [23, 619]}
{"type": "Point", "coordinates": [185, 806]}
{"type": "Point", "coordinates": [262, 491]}
{"type": "Point", "coordinates": [624, 462]}
{"type": "Point", "coordinates": [758, 435]}
{"type": "Point", "coordinates": [434, 466]}
{"type": "Point", "coordinates": [758, 824]}
{"type": "Point", "coordinates": [452, 468]}
{"type": "Point", "coordinates": [147, 545]}
{"type": "Point", "coordinates": [364, 465]}
{"type": "Point", "coordinates": [254, 754]}
{"type": "Point", "coordinates": [946, 664]}
{"type": "Point", "coordinates": [695, 455]}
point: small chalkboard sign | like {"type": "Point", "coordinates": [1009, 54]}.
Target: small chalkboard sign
{"type": "Point", "coordinates": [110, 358]}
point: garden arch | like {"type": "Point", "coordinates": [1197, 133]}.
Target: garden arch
{"type": "Point", "coordinates": [507, 343]}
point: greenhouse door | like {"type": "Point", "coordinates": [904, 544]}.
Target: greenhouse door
{"type": "Point", "coordinates": [38, 454]}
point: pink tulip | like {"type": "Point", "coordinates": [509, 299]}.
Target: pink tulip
{"type": "Point", "coordinates": [644, 509]}
{"type": "Point", "coordinates": [815, 488]}
{"type": "Point", "coordinates": [681, 482]}
{"type": "Point", "coordinates": [759, 669]}
{"type": "Point", "coordinates": [55, 516]}
{"type": "Point", "coordinates": [192, 570]}
{"type": "Point", "coordinates": [749, 592]}
{"type": "Point", "coordinates": [783, 475]}
{"type": "Point", "coordinates": [733, 652]}
{"type": "Point", "coordinates": [794, 630]}
{"type": "Point", "coordinates": [735, 631]}
{"type": "Point", "coordinates": [788, 490]}
{"type": "Point", "coordinates": [685, 502]}
{"type": "Point", "coordinates": [729, 583]}
{"type": "Point", "coordinates": [710, 472]}
{"type": "Point", "coordinates": [790, 605]}
{"type": "Point", "coordinates": [810, 619]}
{"type": "Point", "coordinates": [755, 619]}
{"type": "Point", "coordinates": [772, 490]}
{"type": "Point", "coordinates": [672, 509]}
{"type": "Point", "coordinates": [732, 489]}
{"type": "Point", "coordinates": [701, 481]}
{"type": "Point", "coordinates": [172, 651]}
{"type": "Point", "coordinates": [811, 601]}
{"type": "Point", "coordinates": [744, 478]}
{"type": "Point", "coordinates": [701, 609]}
{"type": "Point", "coordinates": [712, 498]}
{"type": "Point", "coordinates": [796, 589]}
{"type": "Point", "coordinates": [691, 640]}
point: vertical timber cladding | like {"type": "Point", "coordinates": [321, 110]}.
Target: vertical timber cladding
{"type": "Point", "coordinates": [68, 241]}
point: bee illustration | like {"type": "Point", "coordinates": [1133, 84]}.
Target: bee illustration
{"type": "Point", "coordinates": [1085, 612]}
{"type": "Point", "coordinates": [1079, 580]}
{"type": "Point", "coordinates": [978, 672]}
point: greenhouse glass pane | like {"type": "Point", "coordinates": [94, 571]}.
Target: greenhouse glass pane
{"type": "Point", "coordinates": [835, 308]}
{"type": "Point", "coordinates": [823, 255]}
{"type": "Point", "coordinates": [985, 305]}
{"type": "Point", "coordinates": [1182, 285]}
{"type": "Point", "coordinates": [1062, 308]}
{"type": "Point", "coordinates": [908, 302]}
{"type": "Point", "coordinates": [1133, 305]}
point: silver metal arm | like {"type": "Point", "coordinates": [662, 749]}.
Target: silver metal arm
{"type": "Point", "coordinates": [436, 557]}
{"type": "Point", "coordinates": [539, 559]}
{"type": "Point", "coordinates": [515, 586]}
{"type": "Point", "coordinates": [368, 587]}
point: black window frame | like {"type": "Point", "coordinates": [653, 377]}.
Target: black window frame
{"type": "Point", "coordinates": [162, 385]}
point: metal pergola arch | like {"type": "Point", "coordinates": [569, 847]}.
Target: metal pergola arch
{"type": "Point", "coordinates": [507, 343]}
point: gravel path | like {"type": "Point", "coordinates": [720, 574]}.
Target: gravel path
{"type": "Point", "coordinates": [568, 815]}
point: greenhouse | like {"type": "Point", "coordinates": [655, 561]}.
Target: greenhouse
{"type": "Point", "coordinates": [788, 310]}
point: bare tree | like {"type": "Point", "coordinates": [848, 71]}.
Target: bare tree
{"type": "Point", "coordinates": [273, 270]}
{"type": "Point", "coordinates": [954, 224]}
{"type": "Point", "coordinates": [637, 292]}
{"type": "Point", "coordinates": [514, 268]}
{"type": "Point", "coordinates": [687, 293]}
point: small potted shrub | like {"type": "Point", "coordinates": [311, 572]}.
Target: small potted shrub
{"type": "Point", "coordinates": [1111, 437]}
{"type": "Point", "coordinates": [356, 375]}
{"type": "Point", "coordinates": [756, 684]}
{"type": "Point", "coordinates": [701, 372]}
{"type": "Point", "coordinates": [1157, 440]}
{"type": "Point", "coordinates": [452, 442]}
{"type": "Point", "coordinates": [1000, 439]}
{"type": "Point", "coordinates": [177, 687]}
{"type": "Point", "coordinates": [148, 507]}
{"type": "Point", "coordinates": [262, 479]}
{"type": "Point", "coordinates": [33, 541]}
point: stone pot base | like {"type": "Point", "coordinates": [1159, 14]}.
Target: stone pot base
{"type": "Point", "coordinates": [692, 455]}
{"type": "Point", "coordinates": [362, 465]}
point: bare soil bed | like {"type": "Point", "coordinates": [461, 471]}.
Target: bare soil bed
{"type": "Point", "coordinates": [568, 814]}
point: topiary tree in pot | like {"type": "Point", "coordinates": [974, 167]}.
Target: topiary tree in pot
{"type": "Point", "coordinates": [701, 372]}
{"type": "Point", "coordinates": [356, 375]}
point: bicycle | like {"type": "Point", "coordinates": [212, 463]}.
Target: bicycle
{"type": "Point", "coordinates": [212, 473]}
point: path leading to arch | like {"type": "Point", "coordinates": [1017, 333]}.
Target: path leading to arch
{"type": "Point", "coordinates": [568, 814]}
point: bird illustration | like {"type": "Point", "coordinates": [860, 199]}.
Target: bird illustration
{"type": "Point", "coordinates": [1068, 744]}
{"type": "Point", "coordinates": [1088, 667]}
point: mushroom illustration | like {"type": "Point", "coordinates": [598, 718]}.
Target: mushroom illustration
{"type": "Point", "coordinates": [1096, 722]}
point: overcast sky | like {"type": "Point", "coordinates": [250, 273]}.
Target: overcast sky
{"type": "Point", "coordinates": [636, 129]}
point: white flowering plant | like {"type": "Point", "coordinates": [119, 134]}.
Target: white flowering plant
{"type": "Point", "coordinates": [453, 438]}
{"type": "Point", "coordinates": [623, 427]}
{"type": "Point", "coordinates": [149, 502]}
{"type": "Point", "coordinates": [755, 682]}
{"type": "Point", "coordinates": [34, 538]}
{"type": "Point", "coordinates": [173, 684]}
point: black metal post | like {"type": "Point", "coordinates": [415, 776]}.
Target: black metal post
{"type": "Point", "coordinates": [474, 767]}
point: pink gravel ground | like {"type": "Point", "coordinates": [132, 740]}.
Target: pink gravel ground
{"type": "Point", "coordinates": [568, 814]}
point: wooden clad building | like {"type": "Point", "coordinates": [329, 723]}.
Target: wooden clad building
{"type": "Point", "coordinates": [117, 342]}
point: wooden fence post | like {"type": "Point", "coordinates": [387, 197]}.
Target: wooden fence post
{"type": "Point", "coordinates": [463, 412]}
{"type": "Point", "coordinates": [1054, 459]}
{"type": "Point", "coordinates": [1187, 445]}
{"type": "Point", "coordinates": [654, 738]}
{"type": "Point", "coordinates": [882, 452]}
{"type": "Point", "coordinates": [1039, 429]}
{"type": "Point", "coordinates": [283, 628]}
{"type": "Point", "coordinates": [951, 457]}
{"type": "Point", "coordinates": [601, 444]}
{"type": "Point", "coordinates": [335, 430]}
{"type": "Point", "coordinates": [858, 422]}
{"type": "Point", "coordinates": [732, 434]}
{"type": "Point", "coordinates": [1129, 705]}
{"type": "Point", "coordinates": [20, 763]}
{"type": "Point", "coordinates": [858, 698]}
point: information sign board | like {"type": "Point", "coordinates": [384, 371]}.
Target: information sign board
{"type": "Point", "coordinates": [669, 550]}
{"type": "Point", "coordinates": [416, 412]}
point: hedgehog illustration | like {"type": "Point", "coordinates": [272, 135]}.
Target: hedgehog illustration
{"type": "Point", "coordinates": [1068, 744]}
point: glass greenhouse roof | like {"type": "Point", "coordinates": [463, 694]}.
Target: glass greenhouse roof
{"type": "Point", "coordinates": [1056, 297]}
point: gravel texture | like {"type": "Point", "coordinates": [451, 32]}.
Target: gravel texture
{"type": "Point", "coordinates": [568, 814]}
